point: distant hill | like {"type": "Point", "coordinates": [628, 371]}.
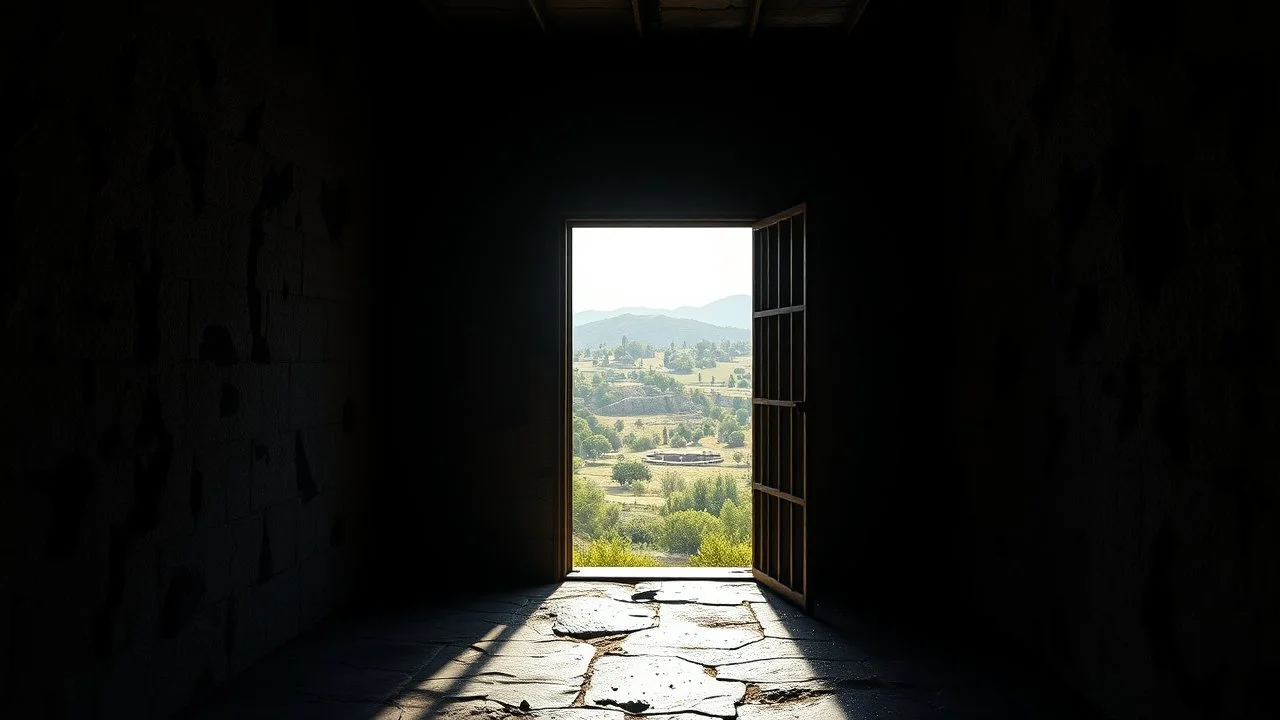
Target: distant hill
{"type": "Point", "coordinates": [733, 312]}
{"type": "Point", "coordinates": [656, 330]}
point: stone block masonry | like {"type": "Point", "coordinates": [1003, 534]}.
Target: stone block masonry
{"type": "Point", "coordinates": [184, 304]}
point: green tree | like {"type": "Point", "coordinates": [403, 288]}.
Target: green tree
{"type": "Point", "coordinates": [737, 438]}
{"type": "Point", "coordinates": [736, 520]}
{"type": "Point", "coordinates": [615, 441]}
{"type": "Point", "coordinates": [684, 530]}
{"type": "Point", "coordinates": [706, 493]}
{"type": "Point", "coordinates": [630, 471]}
{"type": "Point", "coordinates": [595, 446]}
{"type": "Point", "coordinates": [672, 481]}
{"type": "Point", "coordinates": [640, 443]}
{"type": "Point", "coordinates": [716, 550]}
{"type": "Point", "coordinates": [680, 361]}
{"type": "Point", "coordinates": [618, 425]}
{"type": "Point", "coordinates": [677, 501]}
{"type": "Point", "coordinates": [592, 513]}
{"type": "Point", "coordinates": [643, 529]}
{"type": "Point", "coordinates": [728, 424]}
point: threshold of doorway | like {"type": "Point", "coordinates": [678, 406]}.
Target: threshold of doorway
{"type": "Point", "coordinates": [637, 574]}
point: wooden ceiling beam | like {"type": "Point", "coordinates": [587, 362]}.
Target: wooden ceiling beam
{"type": "Point", "coordinates": [855, 14]}
{"type": "Point", "coordinates": [539, 13]}
{"type": "Point", "coordinates": [646, 15]}
{"type": "Point", "coordinates": [753, 21]}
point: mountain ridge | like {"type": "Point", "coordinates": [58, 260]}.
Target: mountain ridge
{"type": "Point", "coordinates": [657, 330]}
{"type": "Point", "coordinates": [732, 311]}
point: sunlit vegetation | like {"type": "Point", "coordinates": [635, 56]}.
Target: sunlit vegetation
{"type": "Point", "coordinates": [632, 398]}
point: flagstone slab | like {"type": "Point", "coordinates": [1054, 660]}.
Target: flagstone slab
{"type": "Point", "coordinates": [782, 621]}
{"type": "Point", "coordinates": [706, 615]}
{"type": "Point", "coordinates": [656, 685]}
{"type": "Point", "coordinates": [707, 592]}
{"type": "Point", "coordinates": [432, 708]}
{"type": "Point", "coordinates": [310, 710]}
{"type": "Point", "coordinates": [798, 671]}
{"type": "Point", "coordinates": [450, 628]}
{"type": "Point", "coordinates": [564, 661]}
{"type": "Point", "coordinates": [489, 710]}
{"type": "Point", "coordinates": [538, 695]}
{"type": "Point", "coordinates": [848, 705]}
{"type": "Point", "coordinates": [545, 647]}
{"type": "Point", "coordinates": [579, 588]}
{"type": "Point", "coordinates": [590, 616]}
{"type": "Point", "coordinates": [673, 636]}
{"type": "Point", "coordinates": [762, 649]}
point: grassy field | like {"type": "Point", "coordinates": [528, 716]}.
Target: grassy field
{"type": "Point", "coordinates": [601, 474]}
{"type": "Point", "coordinates": [647, 503]}
{"type": "Point", "coordinates": [719, 373]}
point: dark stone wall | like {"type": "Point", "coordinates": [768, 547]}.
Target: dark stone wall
{"type": "Point", "coordinates": [186, 204]}
{"type": "Point", "coordinates": [1109, 199]}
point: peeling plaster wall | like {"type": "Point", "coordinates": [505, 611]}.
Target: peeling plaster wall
{"type": "Point", "coordinates": [1110, 190]}
{"type": "Point", "coordinates": [187, 404]}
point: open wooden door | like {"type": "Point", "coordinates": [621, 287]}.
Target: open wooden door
{"type": "Point", "coordinates": [778, 432]}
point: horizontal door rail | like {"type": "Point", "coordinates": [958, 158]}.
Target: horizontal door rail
{"type": "Point", "coordinates": [778, 311]}
{"type": "Point", "coordinates": [778, 587]}
{"type": "Point", "coordinates": [795, 499]}
{"type": "Point", "coordinates": [797, 404]}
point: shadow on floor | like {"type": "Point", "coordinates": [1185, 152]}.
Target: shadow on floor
{"type": "Point", "coordinates": [595, 650]}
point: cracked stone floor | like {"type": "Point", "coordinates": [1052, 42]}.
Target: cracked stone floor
{"type": "Point", "coordinates": [584, 650]}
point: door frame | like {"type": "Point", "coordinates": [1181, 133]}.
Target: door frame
{"type": "Point", "coordinates": [562, 518]}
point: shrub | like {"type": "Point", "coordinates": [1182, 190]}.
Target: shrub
{"type": "Point", "coordinates": [717, 550]}
{"type": "Point", "coordinates": [611, 551]}
{"type": "Point", "coordinates": [736, 521]}
{"type": "Point", "coordinates": [684, 530]}
{"type": "Point", "coordinates": [641, 442]}
{"type": "Point", "coordinates": [642, 530]}
{"type": "Point", "coordinates": [671, 482]}
{"type": "Point", "coordinates": [678, 500]}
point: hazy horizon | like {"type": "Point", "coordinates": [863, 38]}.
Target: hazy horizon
{"type": "Point", "coordinates": [655, 307]}
{"type": "Point", "coordinates": [662, 268]}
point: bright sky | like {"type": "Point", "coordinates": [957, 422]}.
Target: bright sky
{"type": "Point", "coordinates": [661, 268]}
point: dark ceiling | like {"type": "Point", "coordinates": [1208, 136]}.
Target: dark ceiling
{"type": "Point", "coordinates": [647, 18]}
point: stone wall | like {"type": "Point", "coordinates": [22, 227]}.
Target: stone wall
{"type": "Point", "coordinates": [1111, 184]}
{"type": "Point", "coordinates": [185, 441]}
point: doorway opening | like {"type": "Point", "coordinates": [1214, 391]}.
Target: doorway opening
{"type": "Point", "coordinates": [661, 373]}
{"type": "Point", "coordinates": [684, 435]}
